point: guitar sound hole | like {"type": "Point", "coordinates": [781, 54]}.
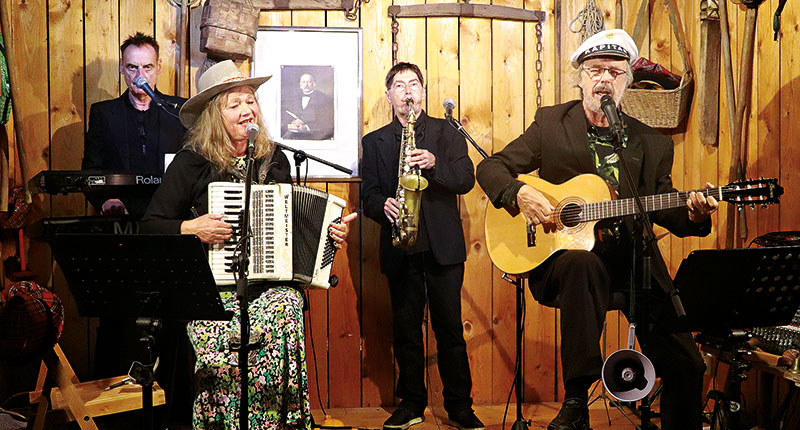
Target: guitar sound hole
{"type": "Point", "coordinates": [570, 215]}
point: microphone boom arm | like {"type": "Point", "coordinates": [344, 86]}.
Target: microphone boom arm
{"type": "Point", "coordinates": [460, 128]}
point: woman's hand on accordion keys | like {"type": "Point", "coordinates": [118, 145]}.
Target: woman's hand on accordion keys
{"type": "Point", "coordinates": [340, 231]}
{"type": "Point", "coordinates": [209, 228]}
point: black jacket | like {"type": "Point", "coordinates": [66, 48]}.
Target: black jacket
{"type": "Point", "coordinates": [113, 129]}
{"type": "Point", "coordinates": [318, 115]}
{"type": "Point", "coordinates": [452, 175]}
{"type": "Point", "coordinates": [184, 189]}
{"type": "Point", "coordinates": [557, 144]}
{"type": "Point", "coordinates": [106, 142]}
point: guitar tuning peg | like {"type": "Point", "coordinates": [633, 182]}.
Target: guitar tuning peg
{"type": "Point", "coordinates": [752, 206]}
{"type": "Point", "coordinates": [763, 205]}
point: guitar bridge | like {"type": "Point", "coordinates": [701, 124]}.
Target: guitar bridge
{"type": "Point", "coordinates": [531, 233]}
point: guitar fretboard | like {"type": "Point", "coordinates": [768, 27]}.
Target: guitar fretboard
{"type": "Point", "coordinates": [623, 207]}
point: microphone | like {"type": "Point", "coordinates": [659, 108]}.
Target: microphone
{"type": "Point", "coordinates": [142, 83]}
{"type": "Point", "coordinates": [252, 133]}
{"type": "Point", "coordinates": [610, 110]}
{"type": "Point", "coordinates": [449, 104]}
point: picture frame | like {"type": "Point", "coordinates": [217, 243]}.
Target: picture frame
{"type": "Point", "coordinates": [313, 100]}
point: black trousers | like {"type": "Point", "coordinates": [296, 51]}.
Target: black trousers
{"type": "Point", "coordinates": [581, 284]}
{"type": "Point", "coordinates": [423, 279]}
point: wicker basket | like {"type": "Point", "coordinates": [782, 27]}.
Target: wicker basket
{"type": "Point", "coordinates": [661, 108]}
{"type": "Point", "coordinates": [228, 29]}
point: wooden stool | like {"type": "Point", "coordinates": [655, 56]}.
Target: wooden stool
{"type": "Point", "coordinates": [58, 385]}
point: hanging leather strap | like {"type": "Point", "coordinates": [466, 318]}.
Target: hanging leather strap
{"type": "Point", "coordinates": [642, 24]}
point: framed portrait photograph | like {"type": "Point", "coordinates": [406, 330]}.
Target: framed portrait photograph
{"type": "Point", "coordinates": [313, 100]}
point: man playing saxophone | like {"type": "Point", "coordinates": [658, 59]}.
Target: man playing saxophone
{"type": "Point", "coordinates": [431, 267]}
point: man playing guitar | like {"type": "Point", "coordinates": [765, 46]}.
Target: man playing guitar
{"type": "Point", "coordinates": [571, 139]}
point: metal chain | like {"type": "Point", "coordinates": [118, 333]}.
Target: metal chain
{"type": "Point", "coordinates": [538, 64]}
{"type": "Point", "coordinates": [395, 46]}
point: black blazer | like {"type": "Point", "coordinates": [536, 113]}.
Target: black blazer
{"type": "Point", "coordinates": [452, 175]}
{"type": "Point", "coordinates": [318, 116]}
{"type": "Point", "coordinates": [557, 144]}
{"type": "Point", "coordinates": [183, 195]}
{"type": "Point", "coordinates": [107, 143]}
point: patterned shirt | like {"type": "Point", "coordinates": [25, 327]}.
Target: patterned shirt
{"type": "Point", "coordinates": [606, 161]}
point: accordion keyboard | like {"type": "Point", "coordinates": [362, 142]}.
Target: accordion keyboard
{"type": "Point", "coordinates": [289, 226]}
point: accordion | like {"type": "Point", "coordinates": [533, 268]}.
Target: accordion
{"type": "Point", "coordinates": [289, 227]}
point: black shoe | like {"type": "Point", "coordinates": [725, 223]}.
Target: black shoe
{"type": "Point", "coordinates": [402, 418]}
{"type": "Point", "coordinates": [466, 420]}
{"type": "Point", "coordinates": [574, 415]}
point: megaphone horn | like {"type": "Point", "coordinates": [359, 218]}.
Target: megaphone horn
{"type": "Point", "coordinates": [627, 374]}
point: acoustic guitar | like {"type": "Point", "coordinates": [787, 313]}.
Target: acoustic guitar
{"type": "Point", "coordinates": [515, 247]}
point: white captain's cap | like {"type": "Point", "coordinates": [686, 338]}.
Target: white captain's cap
{"type": "Point", "coordinates": [607, 43]}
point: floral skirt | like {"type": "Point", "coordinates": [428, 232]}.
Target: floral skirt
{"type": "Point", "coordinates": [278, 383]}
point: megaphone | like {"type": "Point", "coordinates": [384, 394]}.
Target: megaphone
{"type": "Point", "coordinates": [627, 374]}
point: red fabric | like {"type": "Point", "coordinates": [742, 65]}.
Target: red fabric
{"type": "Point", "coordinates": [31, 321]}
{"type": "Point", "coordinates": [643, 67]}
{"type": "Point", "coordinates": [18, 210]}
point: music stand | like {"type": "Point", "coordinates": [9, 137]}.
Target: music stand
{"type": "Point", "coordinates": [726, 291]}
{"type": "Point", "coordinates": [139, 276]}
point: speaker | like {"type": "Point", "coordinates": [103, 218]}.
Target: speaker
{"type": "Point", "coordinates": [628, 375]}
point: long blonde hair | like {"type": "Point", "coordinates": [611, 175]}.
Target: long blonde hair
{"type": "Point", "coordinates": [208, 137]}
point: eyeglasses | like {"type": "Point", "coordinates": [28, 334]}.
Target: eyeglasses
{"type": "Point", "coordinates": [595, 73]}
{"type": "Point", "coordinates": [400, 87]}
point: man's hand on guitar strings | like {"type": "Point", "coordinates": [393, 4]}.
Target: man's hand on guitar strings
{"type": "Point", "coordinates": [534, 206]}
{"type": "Point", "coordinates": [700, 207]}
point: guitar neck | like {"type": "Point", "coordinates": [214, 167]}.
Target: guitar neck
{"type": "Point", "coordinates": [623, 207]}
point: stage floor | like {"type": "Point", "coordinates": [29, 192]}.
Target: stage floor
{"type": "Point", "coordinates": [539, 414]}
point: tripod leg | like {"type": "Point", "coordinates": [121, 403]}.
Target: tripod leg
{"type": "Point", "coordinates": [520, 423]}
{"type": "Point", "coordinates": [717, 414]}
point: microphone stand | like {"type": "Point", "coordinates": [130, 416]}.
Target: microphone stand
{"type": "Point", "coordinates": [244, 346]}
{"type": "Point", "coordinates": [646, 250]}
{"type": "Point", "coordinates": [520, 423]}
{"type": "Point", "coordinates": [460, 128]}
{"type": "Point", "coordinates": [300, 157]}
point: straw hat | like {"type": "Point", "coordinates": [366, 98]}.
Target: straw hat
{"type": "Point", "coordinates": [607, 43]}
{"type": "Point", "coordinates": [218, 78]}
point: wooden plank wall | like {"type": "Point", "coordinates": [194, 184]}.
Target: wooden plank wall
{"type": "Point", "coordinates": [67, 55]}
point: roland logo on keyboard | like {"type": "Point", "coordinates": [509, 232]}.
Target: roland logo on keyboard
{"type": "Point", "coordinates": [148, 180]}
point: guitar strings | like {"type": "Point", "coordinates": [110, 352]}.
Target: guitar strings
{"type": "Point", "coordinates": [595, 210]}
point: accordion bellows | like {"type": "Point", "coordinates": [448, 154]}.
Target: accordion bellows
{"type": "Point", "coordinates": [289, 225]}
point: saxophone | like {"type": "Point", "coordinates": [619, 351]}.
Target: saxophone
{"type": "Point", "coordinates": [410, 184]}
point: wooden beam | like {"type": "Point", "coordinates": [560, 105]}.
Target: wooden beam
{"type": "Point", "coordinates": [303, 4]}
{"type": "Point", "coordinates": [708, 73]}
{"type": "Point", "coordinates": [467, 11]}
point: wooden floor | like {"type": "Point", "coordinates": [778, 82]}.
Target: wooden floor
{"type": "Point", "coordinates": [538, 414]}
